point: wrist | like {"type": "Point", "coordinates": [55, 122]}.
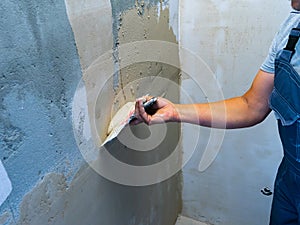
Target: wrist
{"type": "Point", "coordinates": [176, 113]}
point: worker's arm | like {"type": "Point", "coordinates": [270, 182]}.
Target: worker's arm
{"type": "Point", "coordinates": [243, 111]}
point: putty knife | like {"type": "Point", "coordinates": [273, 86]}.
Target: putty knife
{"type": "Point", "coordinates": [123, 117]}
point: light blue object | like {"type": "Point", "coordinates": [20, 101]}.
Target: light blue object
{"type": "Point", "coordinates": [5, 187]}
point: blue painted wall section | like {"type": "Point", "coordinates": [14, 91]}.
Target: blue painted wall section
{"type": "Point", "coordinates": [39, 72]}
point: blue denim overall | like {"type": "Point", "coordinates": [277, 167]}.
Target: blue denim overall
{"type": "Point", "coordinates": [285, 101]}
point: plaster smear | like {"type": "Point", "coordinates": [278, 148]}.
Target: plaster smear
{"type": "Point", "coordinates": [147, 66]}
{"type": "Point", "coordinates": [93, 35]}
{"type": "Point", "coordinates": [99, 76]}
{"type": "Point", "coordinates": [94, 42]}
{"type": "Point", "coordinates": [153, 24]}
{"type": "Point", "coordinates": [94, 46]}
{"type": "Point", "coordinates": [131, 198]}
{"type": "Point", "coordinates": [137, 30]}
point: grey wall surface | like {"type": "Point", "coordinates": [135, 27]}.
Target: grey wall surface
{"type": "Point", "coordinates": [232, 38]}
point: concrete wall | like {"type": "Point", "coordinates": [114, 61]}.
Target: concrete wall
{"type": "Point", "coordinates": [231, 40]}
{"type": "Point", "coordinates": [70, 66]}
{"type": "Point", "coordinates": [49, 50]}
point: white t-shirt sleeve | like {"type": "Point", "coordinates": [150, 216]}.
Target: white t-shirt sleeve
{"type": "Point", "coordinates": [280, 40]}
{"type": "Point", "coordinates": [268, 64]}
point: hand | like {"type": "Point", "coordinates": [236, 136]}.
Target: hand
{"type": "Point", "coordinates": [161, 112]}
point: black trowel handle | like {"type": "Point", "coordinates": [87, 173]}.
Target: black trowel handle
{"type": "Point", "coordinates": [147, 107]}
{"type": "Point", "coordinates": [149, 104]}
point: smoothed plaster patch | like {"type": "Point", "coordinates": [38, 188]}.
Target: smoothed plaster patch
{"type": "Point", "coordinates": [107, 86]}
{"type": "Point", "coordinates": [38, 204]}
{"type": "Point", "coordinates": [91, 199]}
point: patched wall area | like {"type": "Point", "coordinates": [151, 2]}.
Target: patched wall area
{"type": "Point", "coordinates": [120, 75]}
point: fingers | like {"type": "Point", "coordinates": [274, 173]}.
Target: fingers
{"type": "Point", "coordinates": [143, 117]}
{"type": "Point", "coordinates": [140, 113]}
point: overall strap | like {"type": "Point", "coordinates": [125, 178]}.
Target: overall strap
{"type": "Point", "coordinates": [293, 39]}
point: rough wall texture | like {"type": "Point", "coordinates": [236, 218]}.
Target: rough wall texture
{"type": "Point", "coordinates": [39, 72]}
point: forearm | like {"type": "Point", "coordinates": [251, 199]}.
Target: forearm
{"type": "Point", "coordinates": [229, 114]}
{"type": "Point", "coordinates": [244, 111]}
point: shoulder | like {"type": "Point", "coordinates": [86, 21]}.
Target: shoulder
{"type": "Point", "coordinates": [282, 36]}
{"type": "Point", "coordinates": [280, 40]}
